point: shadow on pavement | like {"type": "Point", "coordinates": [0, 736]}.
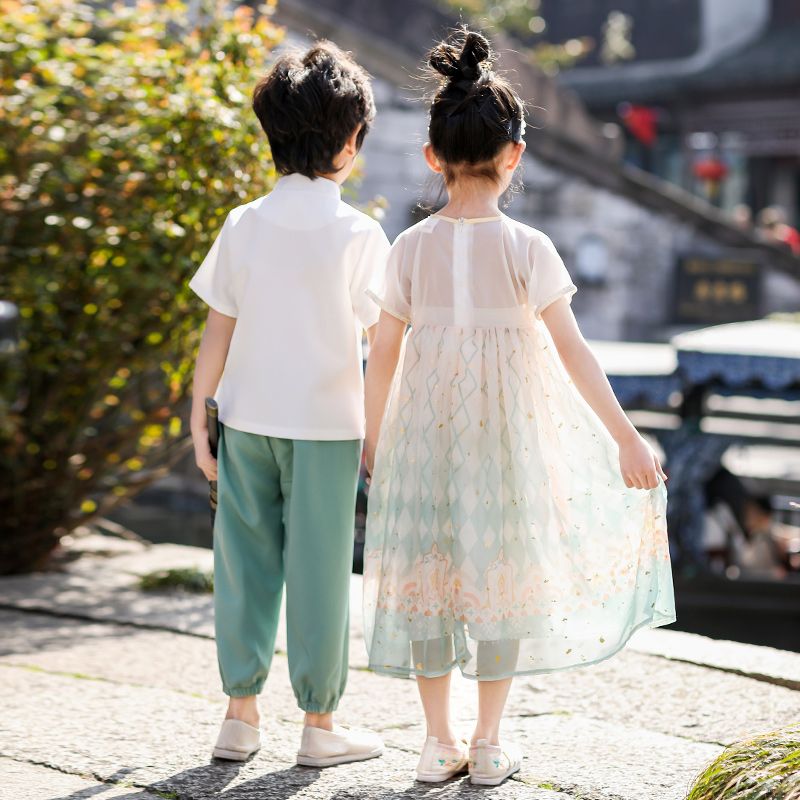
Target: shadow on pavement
{"type": "Point", "coordinates": [212, 779]}
{"type": "Point", "coordinates": [30, 632]}
{"type": "Point", "coordinates": [454, 788]}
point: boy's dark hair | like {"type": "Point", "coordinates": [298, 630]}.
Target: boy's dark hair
{"type": "Point", "coordinates": [310, 104]}
{"type": "Point", "coordinates": [474, 112]}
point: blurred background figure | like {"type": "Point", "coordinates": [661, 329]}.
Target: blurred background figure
{"type": "Point", "coordinates": [742, 215]}
{"type": "Point", "coordinates": [738, 535]}
{"type": "Point", "coordinates": [772, 221]}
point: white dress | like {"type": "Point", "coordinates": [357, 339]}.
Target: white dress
{"type": "Point", "coordinates": [501, 537]}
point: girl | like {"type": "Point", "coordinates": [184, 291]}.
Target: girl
{"type": "Point", "coordinates": [517, 518]}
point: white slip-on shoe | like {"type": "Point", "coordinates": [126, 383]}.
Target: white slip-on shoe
{"type": "Point", "coordinates": [490, 765]}
{"type": "Point", "coordinates": [237, 741]}
{"type": "Point", "coordinates": [321, 748]}
{"type": "Point", "coordinates": [440, 762]}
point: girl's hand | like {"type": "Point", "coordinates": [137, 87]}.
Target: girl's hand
{"type": "Point", "coordinates": [639, 464]}
{"type": "Point", "coordinates": [202, 454]}
{"type": "Point", "coordinates": [369, 454]}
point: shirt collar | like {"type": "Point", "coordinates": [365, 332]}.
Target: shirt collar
{"type": "Point", "coordinates": [295, 182]}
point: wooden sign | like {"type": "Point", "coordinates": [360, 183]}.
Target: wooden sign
{"type": "Point", "coordinates": [717, 290]}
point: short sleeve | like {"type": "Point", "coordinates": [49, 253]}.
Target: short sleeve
{"type": "Point", "coordinates": [549, 277]}
{"type": "Point", "coordinates": [213, 282]}
{"type": "Point", "coordinates": [370, 265]}
{"type": "Point", "coordinates": [392, 290]}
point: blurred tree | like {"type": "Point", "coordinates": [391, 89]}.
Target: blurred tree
{"type": "Point", "coordinates": [523, 20]}
{"type": "Point", "coordinates": [125, 136]}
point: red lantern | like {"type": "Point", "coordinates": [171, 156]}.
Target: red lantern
{"type": "Point", "coordinates": [640, 121]}
{"type": "Point", "coordinates": [710, 169]}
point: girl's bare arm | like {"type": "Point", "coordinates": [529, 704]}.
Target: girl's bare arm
{"type": "Point", "coordinates": [207, 371]}
{"type": "Point", "coordinates": [381, 365]}
{"type": "Point", "coordinates": [638, 463]}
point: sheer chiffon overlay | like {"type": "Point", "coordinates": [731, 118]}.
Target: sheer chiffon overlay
{"type": "Point", "coordinates": [501, 537]}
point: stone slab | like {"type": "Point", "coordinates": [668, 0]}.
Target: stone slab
{"type": "Point", "coordinates": [678, 699]}
{"type": "Point", "coordinates": [763, 663]}
{"type": "Point", "coordinates": [162, 739]}
{"type": "Point", "coordinates": [98, 576]}
{"type": "Point", "coordinates": [595, 759]}
{"type": "Point", "coordinates": [21, 780]}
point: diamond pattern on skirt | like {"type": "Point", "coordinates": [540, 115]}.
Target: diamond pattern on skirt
{"type": "Point", "coordinates": [500, 531]}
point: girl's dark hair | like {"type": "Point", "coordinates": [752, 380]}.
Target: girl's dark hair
{"type": "Point", "coordinates": [310, 104]}
{"type": "Point", "coordinates": [474, 112]}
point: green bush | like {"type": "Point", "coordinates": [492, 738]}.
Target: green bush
{"type": "Point", "coordinates": [125, 136]}
{"type": "Point", "coordinates": [188, 579]}
{"type": "Point", "coordinates": [766, 767]}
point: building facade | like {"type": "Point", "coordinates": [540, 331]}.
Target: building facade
{"type": "Point", "coordinates": [625, 258]}
{"type": "Point", "coordinates": [705, 86]}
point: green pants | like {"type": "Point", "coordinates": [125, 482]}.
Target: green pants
{"type": "Point", "coordinates": [286, 514]}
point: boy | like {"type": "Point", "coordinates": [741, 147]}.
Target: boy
{"type": "Point", "coordinates": [285, 281]}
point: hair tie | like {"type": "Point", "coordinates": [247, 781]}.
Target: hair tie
{"type": "Point", "coordinates": [516, 129]}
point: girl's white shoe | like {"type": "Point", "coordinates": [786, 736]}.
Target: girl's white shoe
{"type": "Point", "coordinates": [440, 762]}
{"type": "Point", "coordinates": [237, 741]}
{"type": "Point", "coordinates": [491, 764]}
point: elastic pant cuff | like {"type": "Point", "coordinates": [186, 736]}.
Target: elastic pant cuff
{"type": "Point", "coordinates": [317, 708]}
{"type": "Point", "coordinates": [245, 691]}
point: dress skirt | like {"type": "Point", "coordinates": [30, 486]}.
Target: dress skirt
{"type": "Point", "coordinates": [501, 537]}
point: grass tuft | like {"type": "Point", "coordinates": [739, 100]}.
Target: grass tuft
{"type": "Point", "coordinates": [766, 767]}
{"type": "Point", "coordinates": [188, 579]}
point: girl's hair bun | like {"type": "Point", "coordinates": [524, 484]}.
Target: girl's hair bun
{"type": "Point", "coordinates": [474, 112]}
{"type": "Point", "coordinates": [475, 51]}
{"type": "Point", "coordinates": [464, 63]}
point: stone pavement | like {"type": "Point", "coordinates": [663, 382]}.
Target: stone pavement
{"type": "Point", "coordinates": [108, 692]}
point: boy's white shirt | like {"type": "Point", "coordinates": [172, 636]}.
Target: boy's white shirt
{"type": "Point", "coordinates": [293, 268]}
